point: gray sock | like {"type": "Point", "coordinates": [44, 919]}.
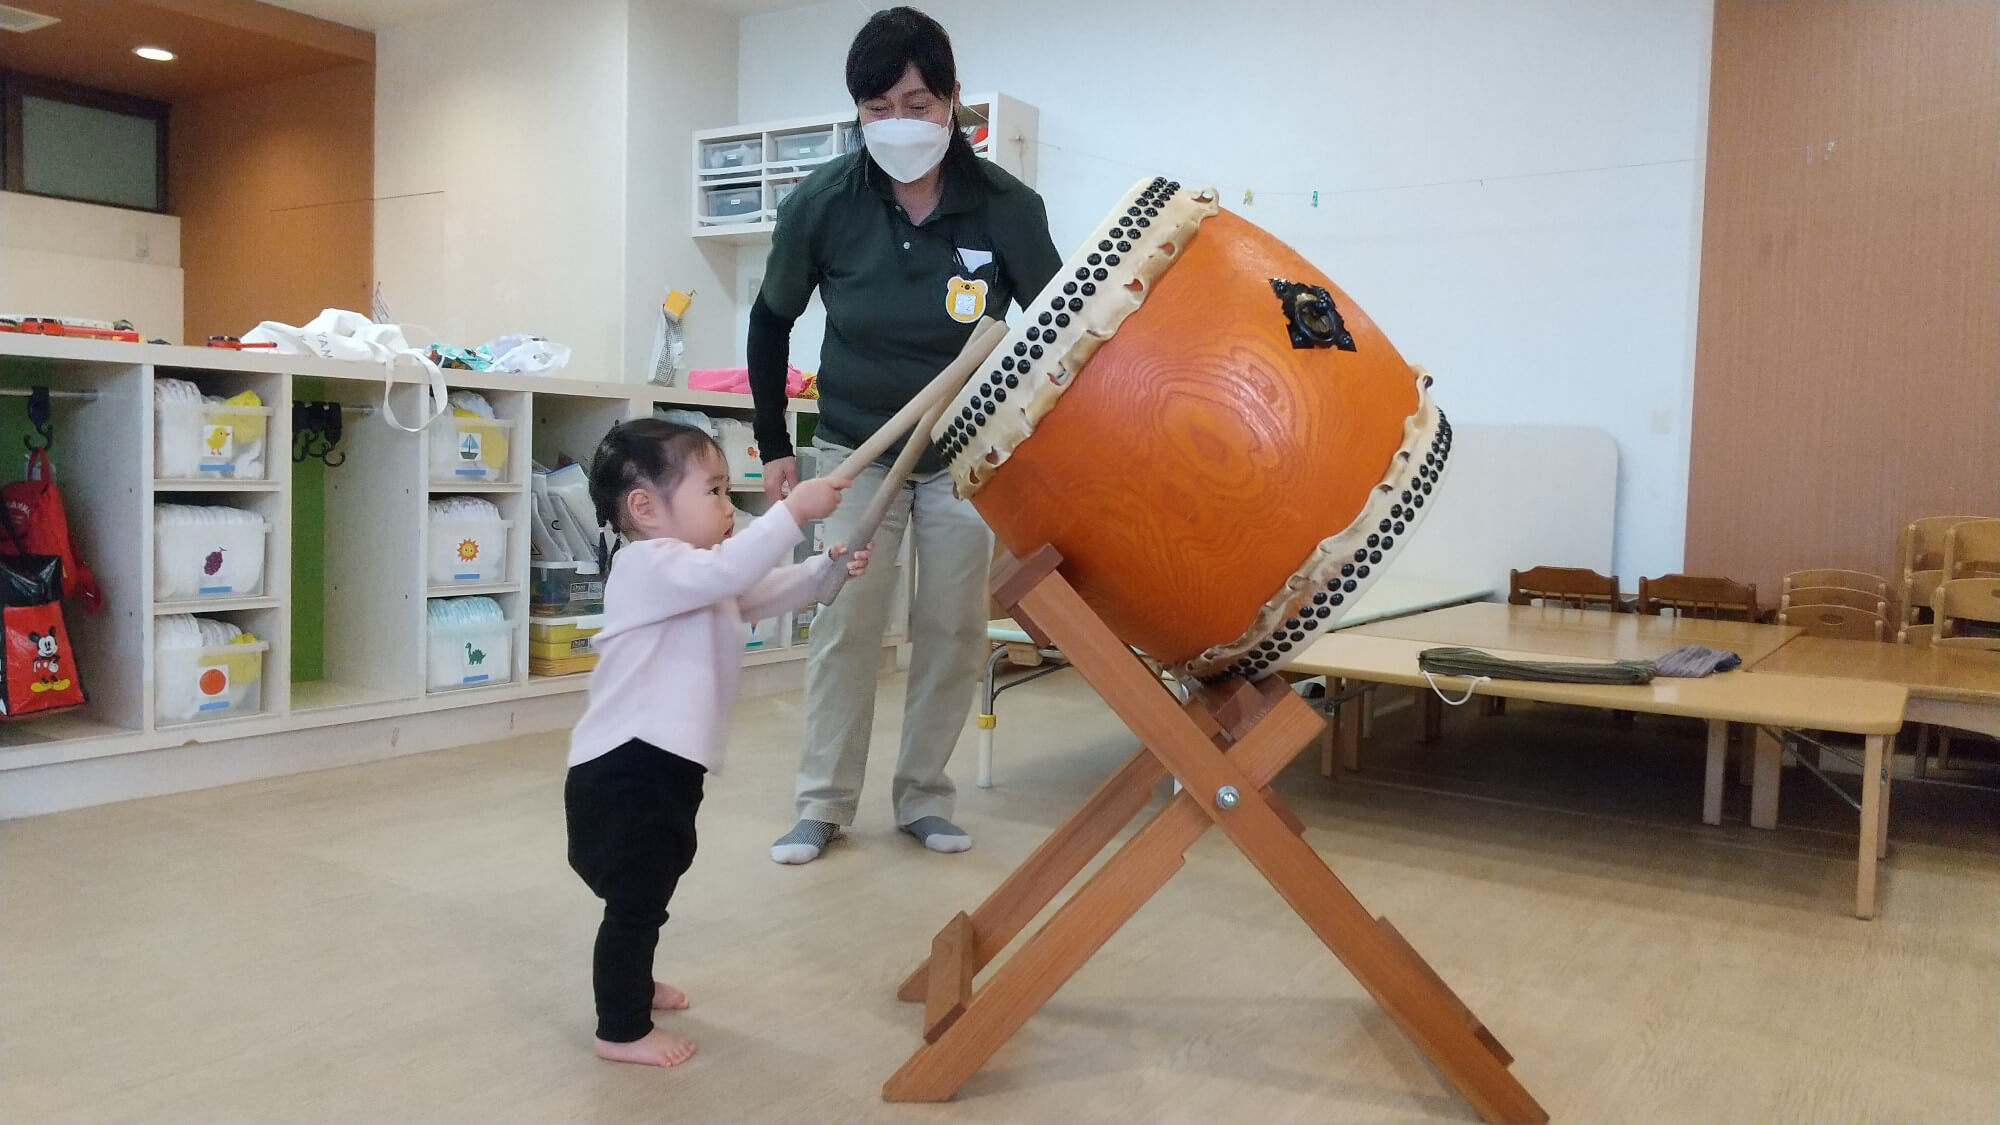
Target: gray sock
{"type": "Point", "coordinates": [804, 842]}
{"type": "Point", "coordinates": [939, 834]}
{"type": "Point", "coordinates": [1694, 661]}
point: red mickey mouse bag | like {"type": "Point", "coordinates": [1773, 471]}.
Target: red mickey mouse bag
{"type": "Point", "coordinates": [38, 674]}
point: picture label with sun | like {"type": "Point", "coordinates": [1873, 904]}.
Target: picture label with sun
{"type": "Point", "coordinates": [467, 557]}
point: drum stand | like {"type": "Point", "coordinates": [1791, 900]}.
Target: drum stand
{"type": "Point", "coordinates": [1224, 748]}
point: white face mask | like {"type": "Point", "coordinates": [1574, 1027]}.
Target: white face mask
{"type": "Point", "coordinates": [907, 148]}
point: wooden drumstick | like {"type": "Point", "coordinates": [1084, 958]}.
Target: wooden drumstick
{"type": "Point", "coordinates": [925, 409]}
{"type": "Point", "coordinates": [878, 506]}
{"type": "Point", "coordinates": [985, 337]}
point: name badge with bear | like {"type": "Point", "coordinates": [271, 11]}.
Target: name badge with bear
{"type": "Point", "coordinates": [965, 299]}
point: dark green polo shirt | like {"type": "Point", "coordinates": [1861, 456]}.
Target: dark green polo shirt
{"type": "Point", "coordinates": [891, 289]}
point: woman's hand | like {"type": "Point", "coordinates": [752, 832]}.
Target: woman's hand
{"type": "Point", "coordinates": [780, 477]}
{"type": "Point", "coordinates": [856, 566]}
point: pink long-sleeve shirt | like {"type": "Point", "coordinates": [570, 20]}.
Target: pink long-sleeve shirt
{"type": "Point", "coordinates": [672, 643]}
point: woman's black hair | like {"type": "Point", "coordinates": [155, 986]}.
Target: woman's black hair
{"type": "Point", "coordinates": [891, 42]}
{"type": "Point", "coordinates": [644, 451]}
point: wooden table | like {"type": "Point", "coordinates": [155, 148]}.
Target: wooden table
{"type": "Point", "coordinates": [1385, 599]}
{"type": "Point", "coordinates": [1566, 634]}
{"type": "Point", "coordinates": [1865, 707]}
{"type": "Point", "coordinates": [1948, 687]}
{"type": "Point", "coordinates": [1585, 634]}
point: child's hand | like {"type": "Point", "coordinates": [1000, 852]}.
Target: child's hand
{"type": "Point", "coordinates": [816, 499]}
{"type": "Point", "coordinates": [856, 566]}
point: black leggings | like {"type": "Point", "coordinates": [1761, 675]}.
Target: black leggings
{"type": "Point", "coordinates": [631, 836]}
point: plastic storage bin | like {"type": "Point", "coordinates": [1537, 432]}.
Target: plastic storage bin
{"type": "Point", "coordinates": [559, 638]}
{"type": "Point", "coordinates": [198, 685]}
{"type": "Point", "coordinates": [760, 635]}
{"type": "Point", "coordinates": [467, 653]}
{"type": "Point", "coordinates": [739, 448]}
{"type": "Point", "coordinates": [468, 551]}
{"type": "Point", "coordinates": [782, 191]}
{"type": "Point", "coordinates": [207, 552]}
{"type": "Point", "coordinates": [792, 147]}
{"type": "Point", "coordinates": [733, 203]}
{"type": "Point", "coordinates": [469, 449]}
{"type": "Point", "coordinates": [563, 646]}
{"type": "Point", "coordinates": [558, 589]}
{"type": "Point", "coordinates": [731, 156]}
{"type": "Point", "coordinates": [209, 441]}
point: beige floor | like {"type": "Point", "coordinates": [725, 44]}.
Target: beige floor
{"type": "Point", "coordinates": [403, 942]}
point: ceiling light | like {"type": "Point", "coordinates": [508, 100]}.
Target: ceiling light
{"type": "Point", "coordinates": [157, 54]}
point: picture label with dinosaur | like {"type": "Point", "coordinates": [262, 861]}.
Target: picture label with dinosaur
{"type": "Point", "coordinates": [474, 657]}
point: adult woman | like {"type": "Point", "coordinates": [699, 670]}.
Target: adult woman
{"type": "Point", "coordinates": [909, 243]}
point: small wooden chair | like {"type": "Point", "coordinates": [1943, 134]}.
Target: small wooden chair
{"type": "Point", "coordinates": [1972, 549]}
{"type": "Point", "coordinates": [1923, 541]}
{"type": "Point", "coordinates": [1920, 550]}
{"type": "Point", "coordinates": [1838, 579]}
{"type": "Point", "coordinates": [1919, 587]}
{"type": "Point", "coordinates": [1571, 587]}
{"type": "Point", "coordinates": [1568, 587]}
{"type": "Point", "coordinates": [1837, 622]}
{"type": "Point", "coordinates": [1698, 595]}
{"type": "Point", "coordinates": [1968, 613]}
{"type": "Point", "coordinates": [1921, 636]}
{"type": "Point", "coordinates": [1864, 600]}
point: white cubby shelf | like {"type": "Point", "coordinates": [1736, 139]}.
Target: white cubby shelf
{"type": "Point", "coordinates": [358, 570]}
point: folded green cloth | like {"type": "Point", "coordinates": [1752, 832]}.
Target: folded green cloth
{"type": "Point", "coordinates": [1471, 663]}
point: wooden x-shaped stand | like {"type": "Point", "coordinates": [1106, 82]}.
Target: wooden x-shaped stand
{"type": "Point", "coordinates": [1224, 748]}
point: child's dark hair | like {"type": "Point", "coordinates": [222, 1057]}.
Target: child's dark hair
{"type": "Point", "coordinates": [644, 451]}
{"type": "Point", "coordinates": [888, 44]}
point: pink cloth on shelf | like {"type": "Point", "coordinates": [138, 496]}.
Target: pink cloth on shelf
{"type": "Point", "coordinates": [737, 379]}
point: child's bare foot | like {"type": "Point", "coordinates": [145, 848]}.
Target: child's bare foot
{"type": "Point", "coordinates": [657, 1049]}
{"type": "Point", "coordinates": [667, 998]}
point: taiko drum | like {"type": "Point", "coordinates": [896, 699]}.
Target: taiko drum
{"type": "Point", "coordinates": [1223, 446]}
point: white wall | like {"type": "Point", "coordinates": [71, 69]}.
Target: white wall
{"type": "Point", "coordinates": [59, 258]}
{"type": "Point", "coordinates": [500, 175]}
{"type": "Point", "coordinates": [682, 61]}
{"type": "Point", "coordinates": [1511, 190]}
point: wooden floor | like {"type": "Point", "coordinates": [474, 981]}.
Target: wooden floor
{"type": "Point", "coordinates": [402, 941]}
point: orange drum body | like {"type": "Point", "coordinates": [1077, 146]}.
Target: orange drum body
{"type": "Point", "coordinates": [1223, 446]}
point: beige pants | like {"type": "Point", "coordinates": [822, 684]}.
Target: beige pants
{"type": "Point", "coordinates": [947, 643]}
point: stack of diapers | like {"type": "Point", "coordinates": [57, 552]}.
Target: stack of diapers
{"type": "Point", "coordinates": [469, 443]}
{"type": "Point", "coordinates": [205, 669]}
{"type": "Point", "coordinates": [471, 643]}
{"type": "Point", "coordinates": [202, 551]}
{"type": "Point", "coordinates": [207, 438]}
{"type": "Point", "coordinates": [468, 541]}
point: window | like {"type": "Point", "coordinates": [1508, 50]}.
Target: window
{"type": "Point", "coordinates": [73, 142]}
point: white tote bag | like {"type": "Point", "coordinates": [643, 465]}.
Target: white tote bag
{"type": "Point", "coordinates": [340, 334]}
